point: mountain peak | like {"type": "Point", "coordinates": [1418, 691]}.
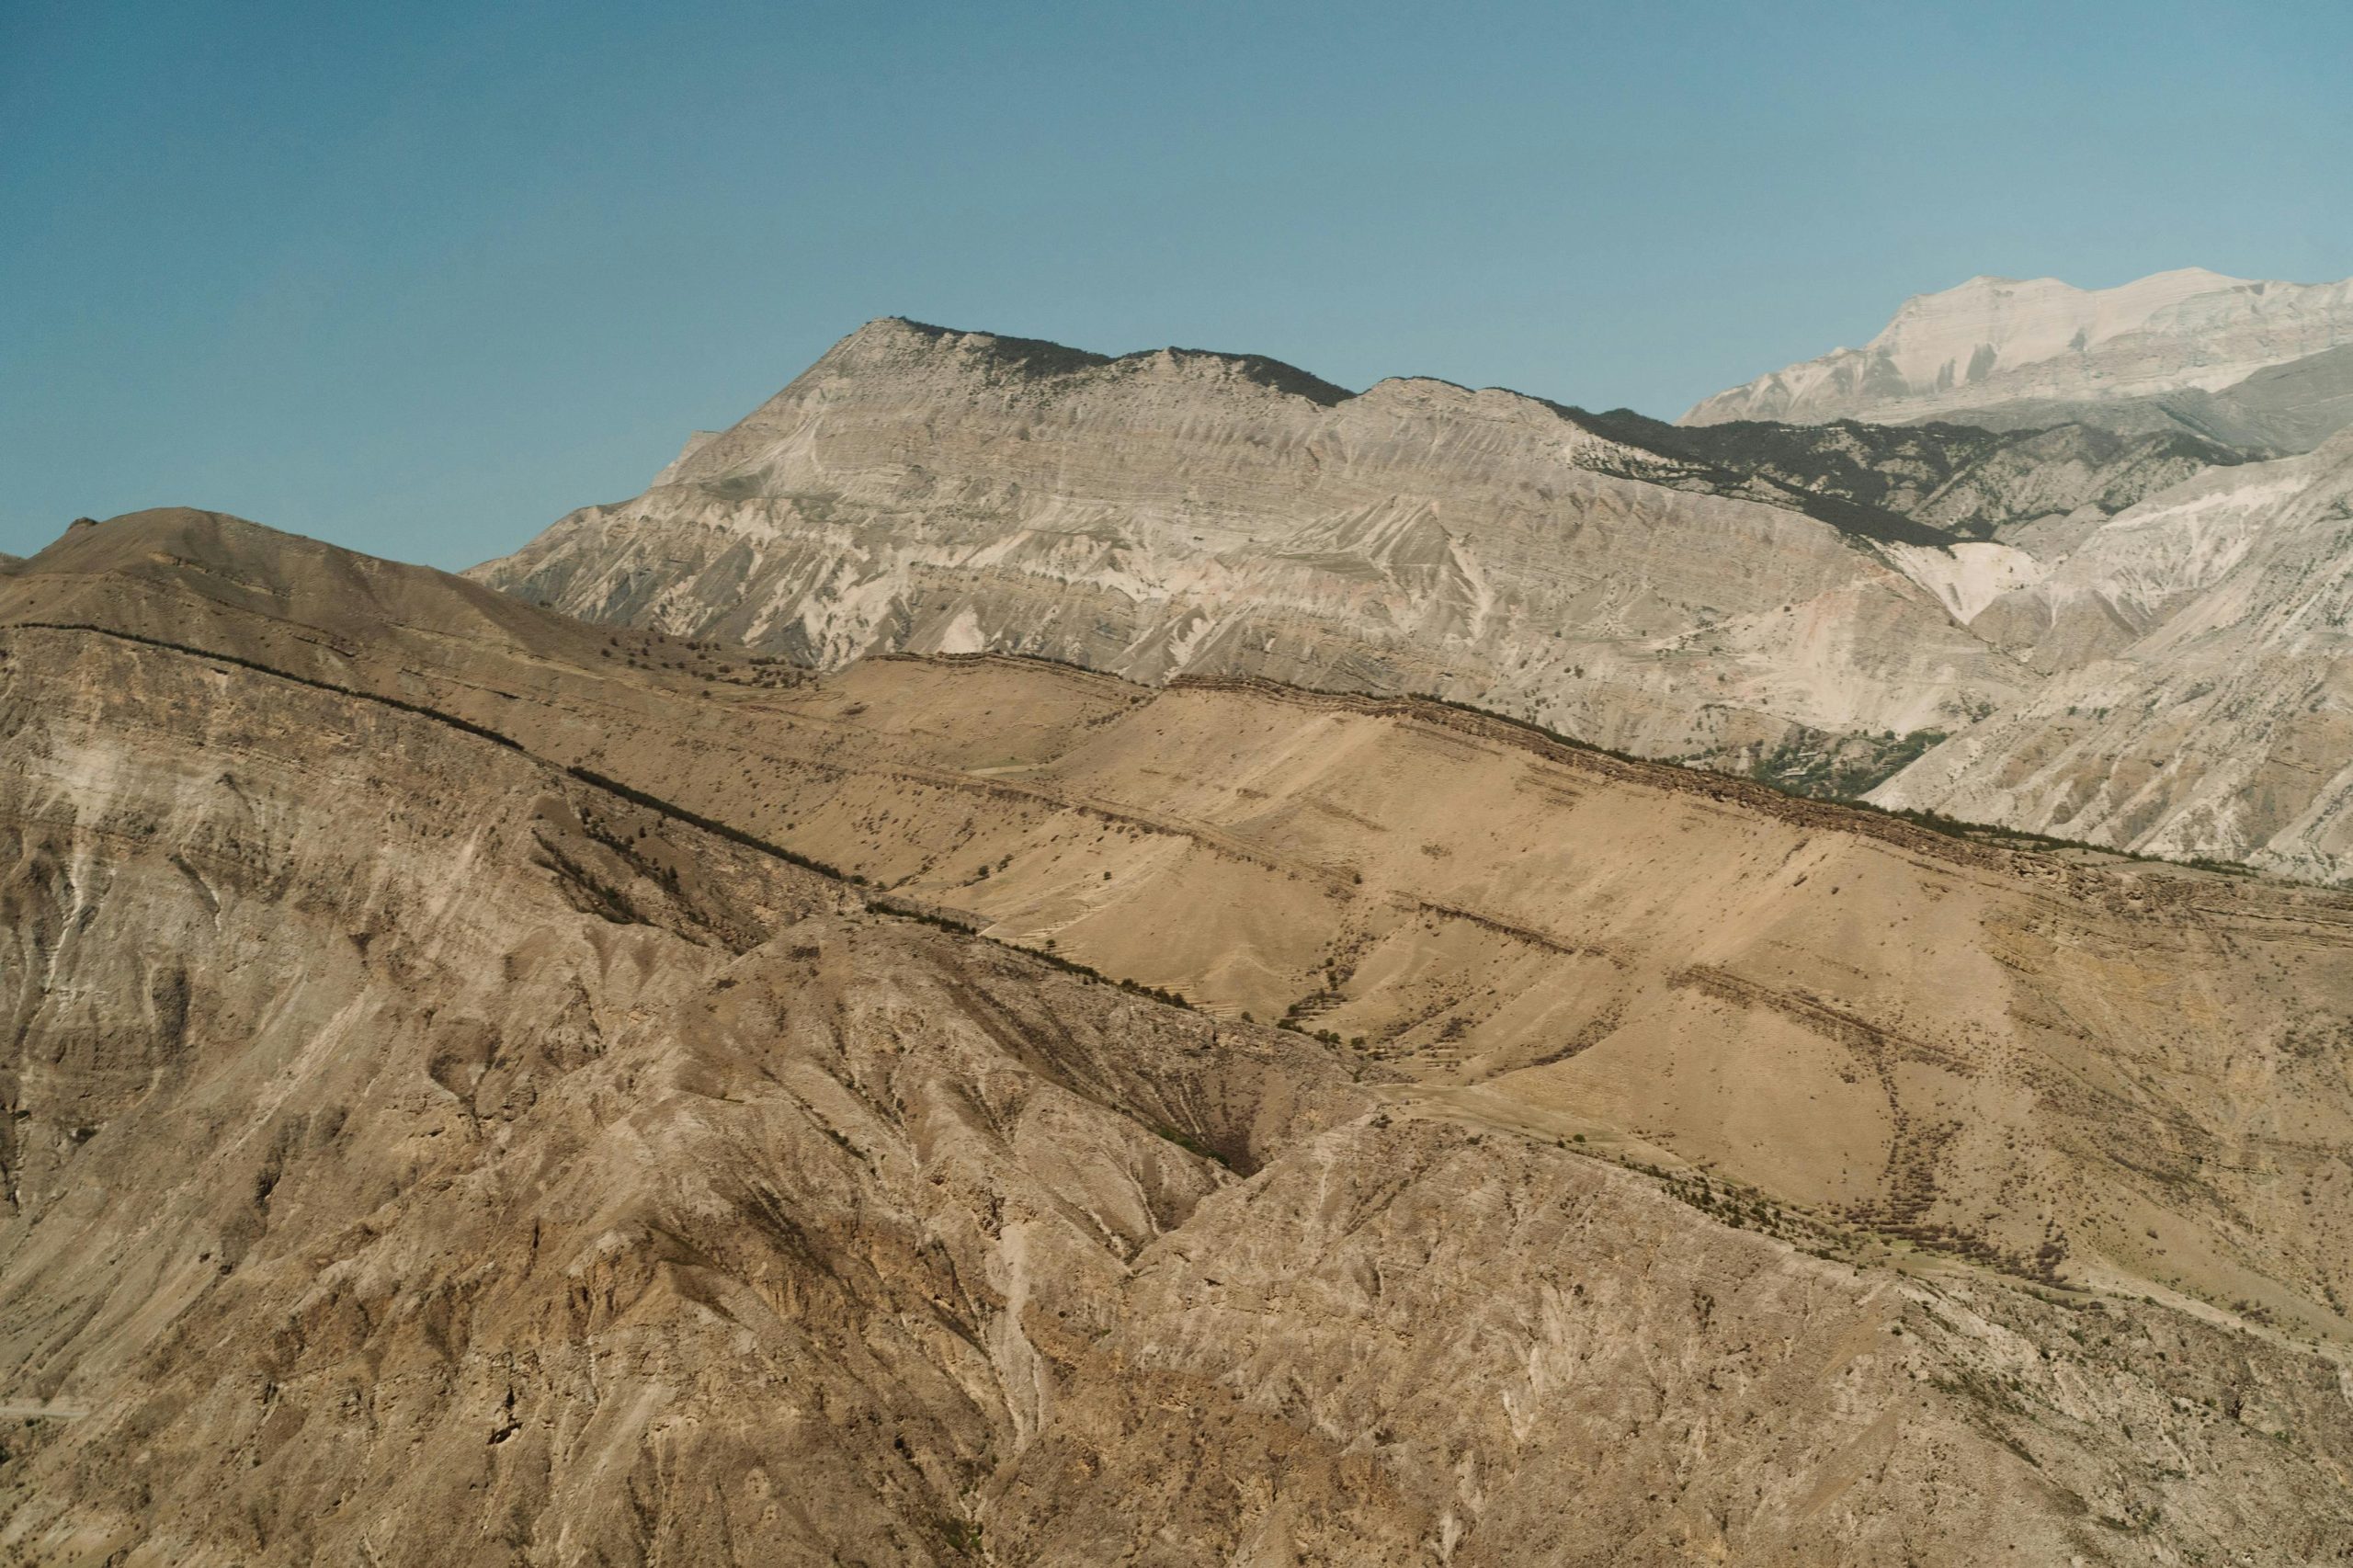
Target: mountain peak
{"type": "Point", "coordinates": [918, 361]}
{"type": "Point", "coordinates": [1989, 343]}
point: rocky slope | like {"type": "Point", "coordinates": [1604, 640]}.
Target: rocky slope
{"type": "Point", "coordinates": [2201, 709]}
{"type": "Point", "coordinates": [1930, 611]}
{"type": "Point", "coordinates": [2285, 409]}
{"type": "Point", "coordinates": [454, 1116]}
{"type": "Point", "coordinates": [1655, 591]}
{"type": "Point", "coordinates": [2253, 364]}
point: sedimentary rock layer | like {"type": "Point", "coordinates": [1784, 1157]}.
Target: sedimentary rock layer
{"type": "Point", "coordinates": [1179, 512]}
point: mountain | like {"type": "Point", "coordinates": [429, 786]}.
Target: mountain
{"type": "Point", "coordinates": [2252, 364]}
{"type": "Point", "coordinates": [2285, 409]}
{"type": "Point", "coordinates": [2202, 708]}
{"type": "Point", "coordinates": [488, 1088]}
{"type": "Point", "coordinates": [1176, 513]}
{"type": "Point", "coordinates": [1934, 612]}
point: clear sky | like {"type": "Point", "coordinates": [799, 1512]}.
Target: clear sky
{"type": "Point", "coordinates": [419, 277]}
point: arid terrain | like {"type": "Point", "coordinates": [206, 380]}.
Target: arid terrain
{"type": "Point", "coordinates": [485, 1087]}
{"type": "Point", "coordinates": [1176, 786]}
{"type": "Point", "coordinates": [2131, 637]}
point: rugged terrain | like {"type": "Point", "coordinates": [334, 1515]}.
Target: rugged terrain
{"type": "Point", "coordinates": [485, 1088]}
{"type": "Point", "coordinates": [1923, 613]}
{"type": "Point", "coordinates": [1180, 513]}
{"type": "Point", "coordinates": [2260, 365]}
{"type": "Point", "coordinates": [1955, 482]}
{"type": "Point", "coordinates": [1750, 603]}
{"type": "Point", "coordinates": [2200, 702]}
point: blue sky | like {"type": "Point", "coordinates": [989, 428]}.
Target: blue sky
{"type": "Point", "coordinates": [417, 278]}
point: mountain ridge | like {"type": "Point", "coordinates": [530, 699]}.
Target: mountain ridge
{"type": "Point", "coordinates": [1158, 514]}
{"type": "Point", "coordinates": [2188, 350]}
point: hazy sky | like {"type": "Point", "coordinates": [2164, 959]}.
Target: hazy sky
{"type": "Point", "coordinates": [419, 277]}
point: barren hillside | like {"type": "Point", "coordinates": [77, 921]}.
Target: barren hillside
{"type": "Point", "coordinates": [490, 1089]}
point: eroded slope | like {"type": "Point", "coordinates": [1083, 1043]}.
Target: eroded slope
{"type": "Point", "coordinates": [421, 1152]}
{"type": "Point", "coordinates": [2203, 711]}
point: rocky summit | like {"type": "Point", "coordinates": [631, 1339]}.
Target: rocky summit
{"type": "Point", "coordinates": [486, 1087]}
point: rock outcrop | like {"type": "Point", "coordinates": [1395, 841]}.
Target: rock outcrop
{"type": "Point", "coordinates": [2199, 699]}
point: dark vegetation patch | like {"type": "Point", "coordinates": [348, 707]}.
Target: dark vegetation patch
{"type": "Point", "coordinates": [1790, 466]}
{"type": "Point", "coordinates": [1193, 1146]}
{"type": "Point", "coordinates": [1841, 766]}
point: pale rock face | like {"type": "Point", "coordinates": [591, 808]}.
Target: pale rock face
{"type": "Point", "coordinates": [1993, 343]}
{"type": "Point", "coordinates": [1178, 513]}
{"type": "Point", "coordinates": [2202, 707]}
{"type": "Point", "coordinates": [1970, 575]}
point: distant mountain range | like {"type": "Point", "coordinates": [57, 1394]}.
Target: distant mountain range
{"type": "Point", "coordinates": [2261, 364]}
{"type": "Point", "coordinates": [1907, 610]}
